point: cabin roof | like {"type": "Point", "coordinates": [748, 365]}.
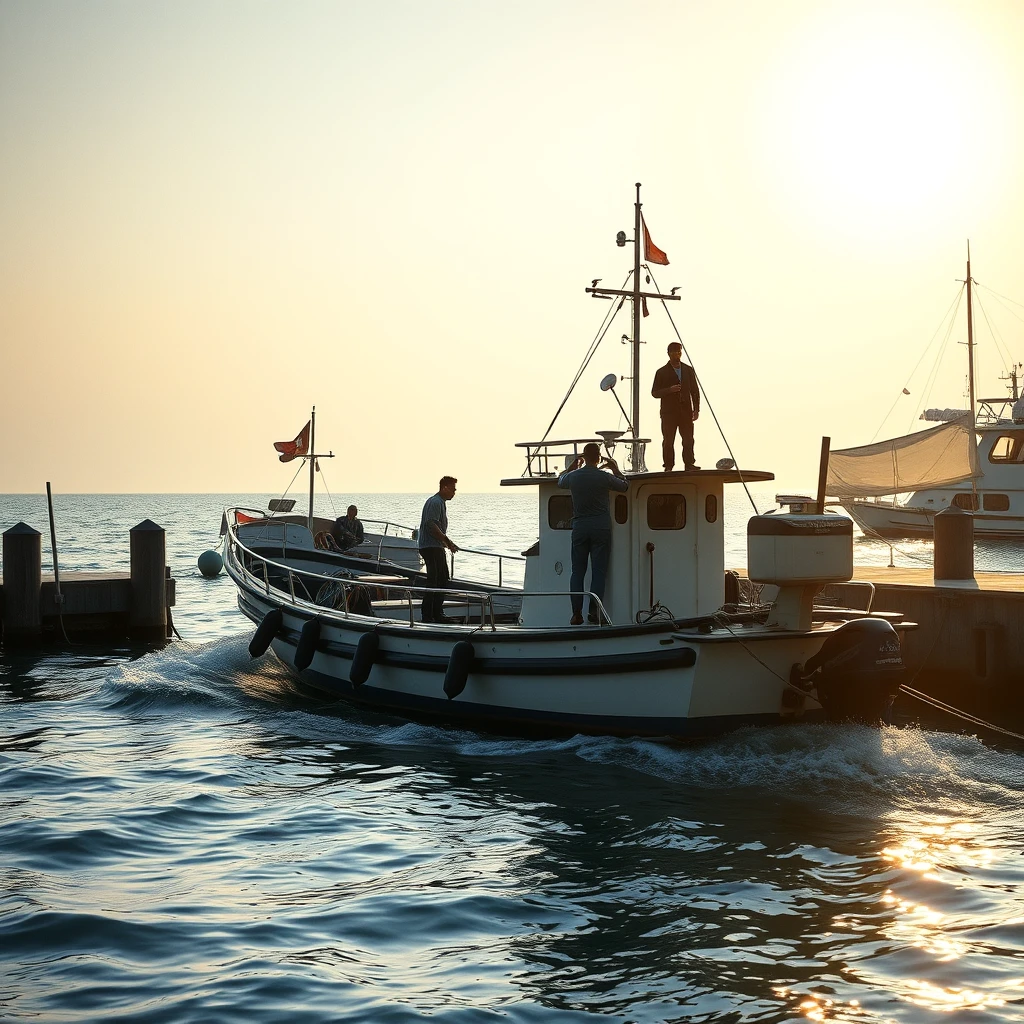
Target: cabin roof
{"type": "Point", "coordinates": [725, 476]}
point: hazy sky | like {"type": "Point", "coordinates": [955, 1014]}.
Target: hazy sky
{"type": "Point", "coordinates": [215, 215]}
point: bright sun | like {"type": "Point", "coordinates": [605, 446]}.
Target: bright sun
{"type": "Point", "coordinates": [882, 115]}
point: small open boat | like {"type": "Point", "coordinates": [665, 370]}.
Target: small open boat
{"type": "Point", "coordinates": [674, 652]}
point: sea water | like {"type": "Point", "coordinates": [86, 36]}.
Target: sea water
{"type": "Point", "coordinates": [185, 836]}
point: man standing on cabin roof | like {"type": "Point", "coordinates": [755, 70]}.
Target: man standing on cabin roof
{"type": "Point", "coordinates": [591, 526]}
{"type": "Point", "coordinates": [675, 384]}
{"type": "Point", "coordinates": [433, 539]}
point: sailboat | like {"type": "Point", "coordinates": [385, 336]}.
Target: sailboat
{"type": "Point", "coordinates": [667, 655]}
{"type": "Point", "coordinates": [973, 460]}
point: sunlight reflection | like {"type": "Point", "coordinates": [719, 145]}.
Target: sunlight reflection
{"type": "Point", "coordinates": [923, 993]}
{"type": "Point", "coordinates": [818, 1007]}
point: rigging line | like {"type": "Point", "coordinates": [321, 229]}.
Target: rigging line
{"type": "Point", "coordinates": [902, 394]}
{"type": "Point", "coordinates": [606, 324]}
{"type": "Point", "coordinates": [948, 317]}
{"type": "Point", "coordinates": [930, 380]}
{"type": "Point", "coordinates": [707, 401]}
{"type": "Point", "coordinates": [1005, 298]}
{"type": "Point", "coordinates": [323, 480]}
{"type": "Point", "coordinates": [949, 709]}
{"type": "Point", "coordinates": [1001, 347]}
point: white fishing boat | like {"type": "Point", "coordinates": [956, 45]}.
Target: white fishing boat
{"type": "Point", "coordinates": [668, 655]}
{"type": "Point", "coordinates": [973, 460]}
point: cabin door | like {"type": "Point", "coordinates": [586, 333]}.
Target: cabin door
{"type": "Point", "coordinates": [666, 552]}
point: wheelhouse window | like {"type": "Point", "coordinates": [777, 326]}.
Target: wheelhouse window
{"type": "Point", "coordinates": [1007, 448]}
{"type": "Point", "coordinates": [711, 508]}
{"type": "Point", "coordinates": [967, 501]}
{"type": "Point", "coordinates": [560, 511]}
{"type": "Point", "coordinates": [666, 512]}
{"type": "Point", "coordinates": [621, 508]}
{"type": "Point", "coordinates": [996, 502]}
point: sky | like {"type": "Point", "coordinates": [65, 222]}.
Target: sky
{"type": "Point", "coordinates": [217, 215]}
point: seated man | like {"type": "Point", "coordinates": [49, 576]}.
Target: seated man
{"type": "Point", "coordinates": [348, 530]}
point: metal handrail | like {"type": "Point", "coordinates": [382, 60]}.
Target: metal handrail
{"type": "Point", "coordinates": [484, 599]}
{"type": "Point", "coordinates": [488, 554]}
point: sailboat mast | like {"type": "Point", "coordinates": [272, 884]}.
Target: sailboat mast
{"type": "Point", "coordinates": [634, 410]}
{"type": "Point", "coordinates": [970, 334]}
{"type": "Point", "coordinates": [312, 465]}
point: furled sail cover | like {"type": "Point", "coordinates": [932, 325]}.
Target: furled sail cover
{"type": "Point", "coordinates": [936, 457]}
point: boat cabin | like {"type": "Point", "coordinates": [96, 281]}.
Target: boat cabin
{"type": "Point", "coordinates": [668, 541]}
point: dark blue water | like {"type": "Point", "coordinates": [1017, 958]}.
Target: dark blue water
{"type": "Point", "coordinates": [186, 837]}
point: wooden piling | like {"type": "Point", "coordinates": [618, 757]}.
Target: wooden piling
{"type": "Point", "coordinates": [148, 618]}
{"type": "Point", "coordinates": [23, 580]}
{"type": "Point", "coordinates": [953, 559]}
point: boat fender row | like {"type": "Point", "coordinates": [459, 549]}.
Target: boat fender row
{"type": "Point", "coordinates": [459, 663]}
{"type": "Point", "coordinates": [367, 647]}
{"type": "Point", "coordinates": [309, 637]}
{"type": "Point", "coordinates": [265, 632]}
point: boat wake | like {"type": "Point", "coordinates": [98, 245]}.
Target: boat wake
{"type": "Point", "coordinates": [850, 766]}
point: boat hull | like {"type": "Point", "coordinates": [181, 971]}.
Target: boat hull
{"type": "Point", "coordinates": [636, 681]}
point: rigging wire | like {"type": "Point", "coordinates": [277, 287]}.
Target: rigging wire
{"type": "Point", "coordinates": [323, 480]}
{"type": "Point", "coordinates": [707, 401]}
{"type": "Point", "coordinates": [1002, 349]}
{"type": "Point", "coordinates": [606, 323]}
{"type": "Point", "coordinates": [943, 345]}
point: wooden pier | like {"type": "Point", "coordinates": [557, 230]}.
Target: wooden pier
{"type": "Point", "coordinates": [37, 608]}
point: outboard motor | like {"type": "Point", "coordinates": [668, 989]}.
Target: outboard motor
{"type": "Point", "coordinates": [858, 671]}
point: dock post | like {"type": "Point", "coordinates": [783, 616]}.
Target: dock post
{"type": "Point", "coordinates": [148, 616]}
{"type": "Point", "coordinates": [23, 582]}
{"type": "Point", "coordinates": [954, 545]}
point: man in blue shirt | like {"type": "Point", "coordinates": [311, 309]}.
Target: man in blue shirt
{"type": "Point", "coordinates": [591, 525]}
{"type": "Point", "coordinates": [433, 539]}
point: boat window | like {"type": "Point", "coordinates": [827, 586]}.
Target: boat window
{"type": "Point", "coordinates": [621, 508]}
{"type": "Point", "coordinates": [996, 502]}
{"type": "Point", "coordinates": [666, 512]}
{"type": "Point", "coordinates": [1007, 448]}
{"type": "Point", "coordinates": [560, 511]}
{"type": "Point", "coordinates": [967, 501]}
{"type": "Point", "coordinates": [711, 508]}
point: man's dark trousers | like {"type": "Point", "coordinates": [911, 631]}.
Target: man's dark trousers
{"type": "Point", "coordinates": [593, 543]}
{"type": "Point", "coordinates": [672, 419]}
{"type": "Point", "coordinates": [436, 562]}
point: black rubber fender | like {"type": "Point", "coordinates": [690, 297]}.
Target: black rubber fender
{"type": "Point", "coordinates": [265, 632]}
{"type": "Point", "coordinates": [367, 647]}
{"type": "Point", "coordinates": [459, 663]}
{"type": "Point", "coordinates": [306, 647]}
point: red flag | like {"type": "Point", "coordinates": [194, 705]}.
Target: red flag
{"type": "Point", "coordinates": [652, 254]}
{"type": "Point", "coordinates": [293, 449]}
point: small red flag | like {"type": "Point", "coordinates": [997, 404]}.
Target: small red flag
{"type": "Point", "coordinates": [652, 254]}
{"type": "Point", "coordinates": [293, 449]}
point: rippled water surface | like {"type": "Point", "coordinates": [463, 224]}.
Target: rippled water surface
{"type": "Point", "coordinates": [187, 837]}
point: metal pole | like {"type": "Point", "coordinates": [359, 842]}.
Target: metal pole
{"type": "Point", "coordinates": [635, 401]}
{"type": "Point", "coordinates": [58, 597]}
{"type": "Point", "coordinates": [826, 443]}
{"type": "Point", "coordinates": [970, 334]}
{"type": "Point", "coordinates": [312, 464]}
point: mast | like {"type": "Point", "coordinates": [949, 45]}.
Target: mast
{"type": "Point", "coordinates": [637, 296]}
{"type": "Point", "coordinates": [634, 405]}
{"type": "Point", "coordinates": [970, 333]}
{"type": "Point", "coordinates": [312, 465]}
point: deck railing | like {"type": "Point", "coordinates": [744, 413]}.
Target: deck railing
{"type": "Point", "coordinates": [337, 594]}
